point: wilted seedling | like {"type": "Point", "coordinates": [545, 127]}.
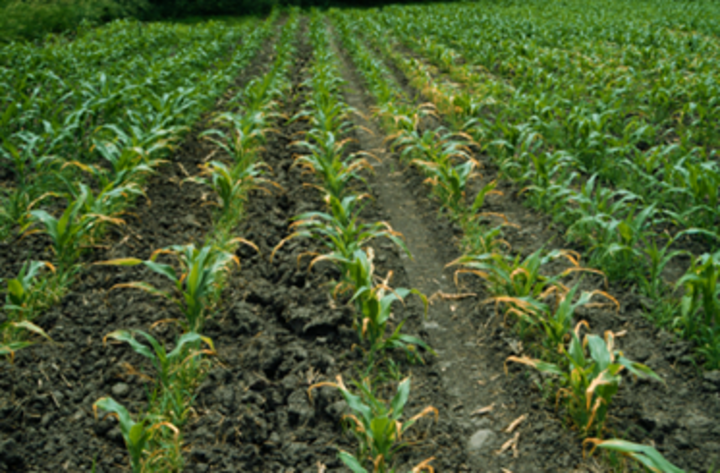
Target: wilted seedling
{"type": "Point", "coordinates": [589, 380]}
{"type": "Point", "coordinates": [376, 425]}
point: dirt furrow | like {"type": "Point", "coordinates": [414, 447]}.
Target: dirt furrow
{"type": "Point", "coordinates": [470, 355]}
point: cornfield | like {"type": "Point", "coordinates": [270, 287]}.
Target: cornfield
{"type": "Point", "coordinates": [447, 237]}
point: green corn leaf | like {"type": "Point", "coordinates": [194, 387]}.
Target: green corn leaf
{"type": "Point", "coordinates": [576, 352]}
{"type": "Point", "coordinates": [645, 454]}
{"type": "Point", "coordinates": [355, 403]}
{"type": "Point", "coordinates": [137, 434]}
{"type": "Point", "coordinates": [599, 352]}
{"type": "Point", "coordinates": [351, 462]}
{"type": "Point", "coordinates": [400, 399]}
{"type": "Point", "coordinates": [163, 269]}
{"type": "Point", "coordinates": [31, 327]}
{"type": "Point", "coordinates": [12, 347]}
{"type": "Point", "coordinates": [128, 337]}
{"type": "Point", "coordinates": [16, 289]}
{"type": "Point", "coordinates": [111, 405]}
{"type": "Point", "coordinates": [144, 287]}
{"type": "Point", "coordinates": [121, 262]}
{"type": "Point", "coordinates": [638, 369]}
{"type": "Point", "coordinates": [185, 339]}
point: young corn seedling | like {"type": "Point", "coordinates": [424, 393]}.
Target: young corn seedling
{"type": "Point", "coordinates": [589, 380]}
{"type": "Point", "coordinates": [341, 230]}
{"type": "Point", "coordinates": [195, 284]}
{"type": "Point", "coordinates": [558, 323]}
{"type": "Point", "coordinates": [69, 231]}
{"type": "Point", "coordinates": [373, 304]}
{"type": "Point", "coordinates": [135, 434]}
{"type": "Point", "coordinates": [449, 182]}
{"type": "Point", "coordinates": [107, 206]}
{"type": "Point", "coordinates": [26, 294]}
{"type": "Point", "coordinates": [179, 371]}
{"type": "Point", "coordinates": [518, 278]}
{"type": "Point", "coordinates": [138, 435]}
{"type": "Point", "coordinates": [231, 184]}
{"type": "Point", "coordinates": [245, 139]}
{"type": "Point", "coordinates": [326, 159]}
{"type": "Point", "coordinates": [377, 427]}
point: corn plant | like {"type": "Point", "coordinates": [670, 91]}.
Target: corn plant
{"type": "Point", "coordinates": [699, 317]}
{"type": "Point", "coordinates": [230, 183]}
{"type": "Point", "coordinates": [26, 294]}
{"type": "Point", "coordinates": [135, 434]}
{"type": "Point", "coordinates": [140, 436]}
{"type": "Point", "coordinates": [589, 380]}
{"type": "Point", "coordinates": [376, 425]}
{"type": "Point", "coordinates": [557, 323]}
{"type": "Point", "coordinates": [515, 277]}
{"type": "Point", "coordinates": [325, 157]}
{"type": "Point", "coordinates": [341, 230]}
{"type": "Point", "coordinates": [194, 285]}
{"type": "Point", "coordinates": [179, 370]}
{"type": "Point", "coordinates": [245, 139]}
{"type": "Point", "coordinates": [68, 232]}
{"type": "Point", "coordinates": [373, 304]}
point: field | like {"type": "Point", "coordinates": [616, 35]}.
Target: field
{"type": "Point", "coordinates": [450, 237]}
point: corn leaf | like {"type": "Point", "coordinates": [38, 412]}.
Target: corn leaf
{"type": "Point", "coordinates": [351, 462]}
{"type": "Point", "coordinates": [645, 454]}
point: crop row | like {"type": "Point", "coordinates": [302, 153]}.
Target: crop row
{"type": "Point", "coordinates": [154, 438]}
{"type": "Point", "coordinates": [659, 209]}
{"type": "Point", "coordinates": [586, 371]}
{"type": "Point", "coordinates": [375, 423]}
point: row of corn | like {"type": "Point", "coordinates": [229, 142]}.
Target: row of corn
{"type": "Point", "coordinates": [376, 424]}
{"type": "Point", "coordinates": [586, 371]}
{"type": "Point", "coordinates": [154, 438]}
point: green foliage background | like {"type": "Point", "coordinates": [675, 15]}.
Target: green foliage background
{"type": "Point", "coordinates": [33, 19]}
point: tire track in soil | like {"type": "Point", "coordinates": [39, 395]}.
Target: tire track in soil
{"type": "Point", "coordinates": [680, 419]}
{"type": "Point", "coordinates": [471, 354]}
{"type": "Point", "coordinates": [46, 395]}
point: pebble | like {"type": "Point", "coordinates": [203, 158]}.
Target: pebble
{"type": "Point", "coordinates": [120, 390]}
{"type": "Point", "coordinates": [480, 440]}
